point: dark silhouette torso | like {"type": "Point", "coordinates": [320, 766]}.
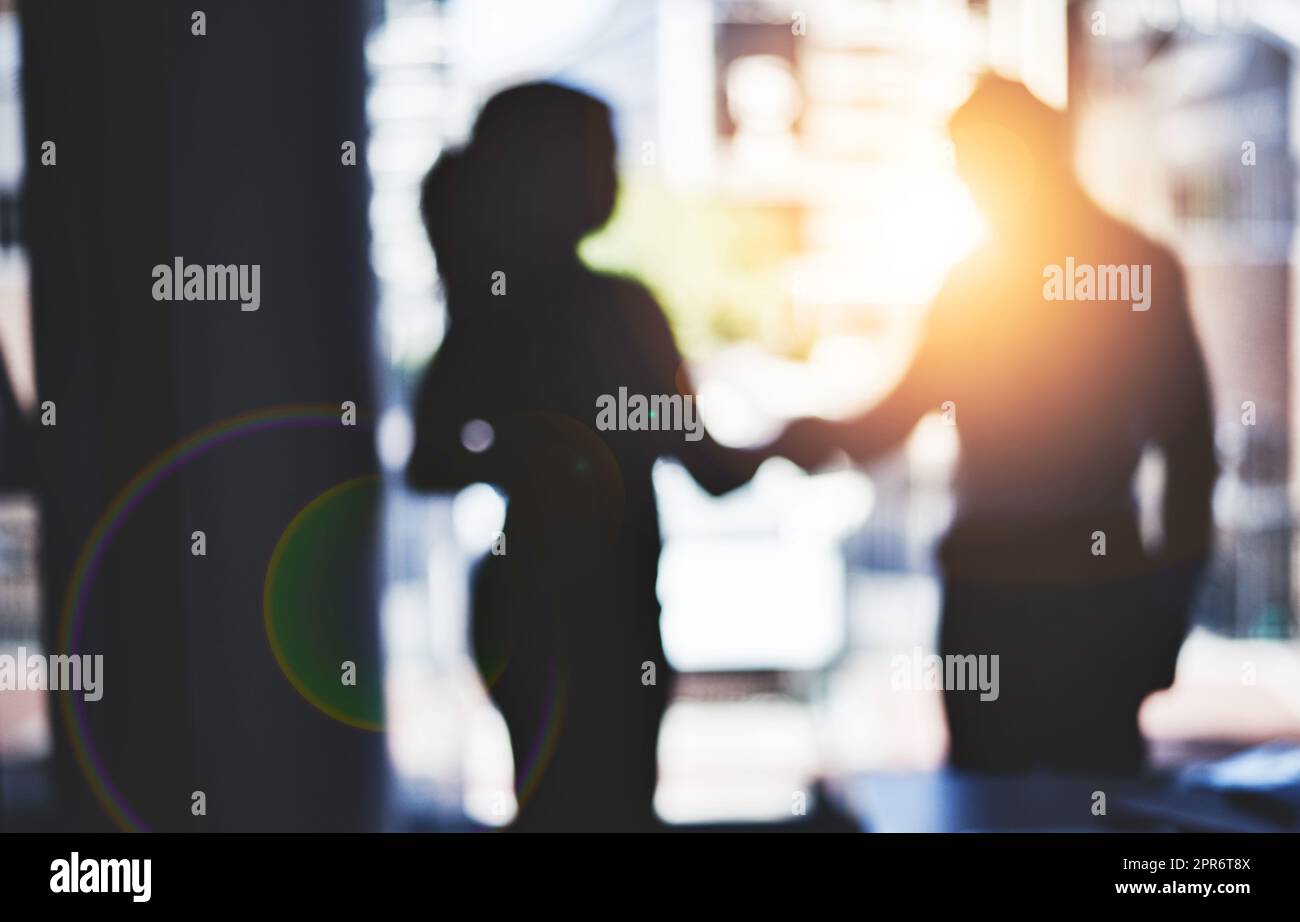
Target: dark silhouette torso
{"type": "Point", "coordinates": [566, 620]}
{"type": "Point", "coordinates": [1055, 402]}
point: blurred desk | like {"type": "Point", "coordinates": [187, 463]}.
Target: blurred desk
{"type": "Point", "coordinates": [948, 801]}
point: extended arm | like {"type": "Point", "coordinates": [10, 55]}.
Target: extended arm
{"type": "Point", "coordinates": [811, 442]}
{"type": "Point", "coordinates": [716, 468]}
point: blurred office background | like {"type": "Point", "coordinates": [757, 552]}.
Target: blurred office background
{"type": "Point", "coordinates": [789, 194]}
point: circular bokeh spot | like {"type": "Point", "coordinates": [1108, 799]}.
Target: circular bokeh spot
{"type": "Point", "coordinates": [318, 587]}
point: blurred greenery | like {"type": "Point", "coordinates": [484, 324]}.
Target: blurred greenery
{"type": "Point", "coordinates": [720, 270]}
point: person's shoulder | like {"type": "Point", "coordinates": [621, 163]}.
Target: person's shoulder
{"type": "Point", "coordinates": [972, 271]}
{"type": "Point", "coordinates": [1133, 245]}
{"type": "Point", "coordinates": [1166, 284]}
{"type": "Point", "coordinates": [631, 299]}
{"type": "Point", "coordinates": [626, 292]}
{"type": "Point", "coordinates": [966, 281]}
{"type": "Point", "coordinates": [1165, 263]}
{"type": "Point", "coordinates": [638, 318]}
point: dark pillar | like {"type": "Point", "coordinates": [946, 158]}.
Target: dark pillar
{"type": "Point", "coordinates": [221, 149]}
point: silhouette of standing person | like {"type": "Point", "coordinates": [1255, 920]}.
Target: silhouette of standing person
{"type": "Point", "coordinates": [565, 622]}
{"type": "Point", "coordinates": [1054, 403]}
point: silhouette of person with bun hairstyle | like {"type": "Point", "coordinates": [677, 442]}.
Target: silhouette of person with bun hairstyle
{"type": "Point", "coordinates": [1054, 402]}
{"type": "Point", "coordinates": [566, 622]}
